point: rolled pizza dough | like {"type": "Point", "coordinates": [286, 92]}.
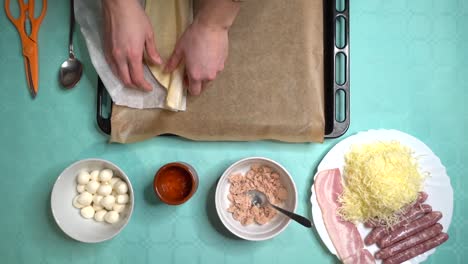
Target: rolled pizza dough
{"type": "Point", "coordinates": [169, 20]}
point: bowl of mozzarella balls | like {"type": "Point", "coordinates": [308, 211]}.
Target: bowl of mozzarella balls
{"type": "Point", "coordinates": [92, 200]}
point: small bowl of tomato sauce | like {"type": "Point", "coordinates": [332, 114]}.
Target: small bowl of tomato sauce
{"type": "Point", "coordinates": [175, 183]}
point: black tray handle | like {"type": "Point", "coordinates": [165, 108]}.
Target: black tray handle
{"type": "Point", "coordinates": [333, 127]}
{"type": "Point", "coordinates": [104, 123]}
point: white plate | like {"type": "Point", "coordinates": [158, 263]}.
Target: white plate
{"type": "Point", "coordinates": [254, 232]}
{"type": "Point", "coordinates": [437, 186]}
{"type": "Point", "coordinates": [68, 218]}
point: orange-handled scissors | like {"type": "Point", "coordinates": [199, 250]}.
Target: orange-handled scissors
{"type": "Point", "coordinates": [28, 41]}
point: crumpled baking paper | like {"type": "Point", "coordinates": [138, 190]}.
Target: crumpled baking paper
{"type": "Point", "coordinates": [272, 86]}
{"type": "Point", "coordinates": [88, 14]}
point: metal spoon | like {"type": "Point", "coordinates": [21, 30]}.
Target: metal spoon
{"type": "Point", "coordinates": [259, 199]}
{"type": "Point", "coordinates": [72, 69]}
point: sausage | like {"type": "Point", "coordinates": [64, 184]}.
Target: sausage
{"type": "Point", "coordinates": [417, 250]}
{"type": "Point", "coordinates": [379, 232]}
{"type": "Point", "coordinates": [422, 197]}
{"type": "Point", "coordinates": [375, 235]}
{"type": "Point", "coordinates": [409, 242]}
{"type": "Point", "coordinates": [410, 229]}
{"type": "Point", "coordinates": [372, 223]}
{"type": "Point", "coordinates": [415, 212]}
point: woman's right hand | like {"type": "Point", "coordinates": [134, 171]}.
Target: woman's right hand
{"type": "Point", "coordinates": [127, 35]}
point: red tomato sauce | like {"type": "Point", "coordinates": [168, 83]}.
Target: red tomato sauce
{"type": "Point", "coordinates": [174, 183]}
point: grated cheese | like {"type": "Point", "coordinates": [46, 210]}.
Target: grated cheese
{"type": "Point", "coordinates": [380, 180]}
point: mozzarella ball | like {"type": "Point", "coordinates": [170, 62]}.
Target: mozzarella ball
{"type": "Point", "coordinates": [76, 204]}
{"type": "Point", "coordinates": [97, 207]}
{"type": "Point", "coordinates": [97, 202]}
{"type": "Point", "coordinates": [108, 202]}
{"type": "Point", "coordinates": [99, 215]}
{"type": "Point", "coordinates": [122, 198]}
{"type": "Point", "coordinates": [94, 175]}
{"type": "Point", "coordinates": [97, 199]}
{"type": "Point", "coordinates": [85, 198]}
{"type": "Point", "coordinates": [104, 189]}
{"type": "Point", "coordinates": [80, 188]}
{"type": "Point", "coordinates": [118, 207]}
{"type": "Point", "coordinates": [92, 186]}
{"type": "Point", "coordinates": [111, 217]}
{"type": "Point", "coordinates": [87, 212]}
{"type": "Point", "coordinates": [83, 177]}
{"type": "Point", "coordinates": [121, 187]}
{"type": "Point", "coordinates": [114, 180]}
{"type": "Point", "coordinates": [105, 175]}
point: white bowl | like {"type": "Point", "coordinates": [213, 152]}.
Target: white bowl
{"type": "Point", "coordinates": [68, 218]}
{"type": "Point", "coordinates": [254, 232]}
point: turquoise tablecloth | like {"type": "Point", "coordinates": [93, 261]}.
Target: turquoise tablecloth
{"type": "Point", "coordinates": [408, 68]}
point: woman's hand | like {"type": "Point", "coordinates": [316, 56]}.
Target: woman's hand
{"type": "Point", "coordinates": [127, 35]}
{"type": "Point", "coordinates": [204, 50]}
{"type": "Point", "coordinates": [204, 45]}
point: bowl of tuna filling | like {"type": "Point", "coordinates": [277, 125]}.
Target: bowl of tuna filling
{"type": "Point", "coordinates": [234, 201]}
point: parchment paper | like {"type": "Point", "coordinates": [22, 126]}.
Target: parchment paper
{"type": "Point", "coordinates": [271, 88]}
{"type": "Point", "coordinates": [88, 14]}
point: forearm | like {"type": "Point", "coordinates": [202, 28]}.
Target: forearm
{"type": "Point", "coordinates": [115, 2]}
{"type": "Point", "coordinates": [217, 13]}
{"type": "Point", "coordinates": [107, 2]}
{"type": "Point", "coordinates": [116, 5]}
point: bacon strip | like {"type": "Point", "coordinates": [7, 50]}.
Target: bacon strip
{"type": "Point", "coordinates": [361, 257]}
{"type": "Point", "coordinates": [343, 234]}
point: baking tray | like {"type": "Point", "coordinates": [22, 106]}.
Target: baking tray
{"type": "Point", "coordinates": [336, 74]}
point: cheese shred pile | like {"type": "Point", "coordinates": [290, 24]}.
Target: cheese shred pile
{"type": "Point", "coordinates": [380, 180]}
